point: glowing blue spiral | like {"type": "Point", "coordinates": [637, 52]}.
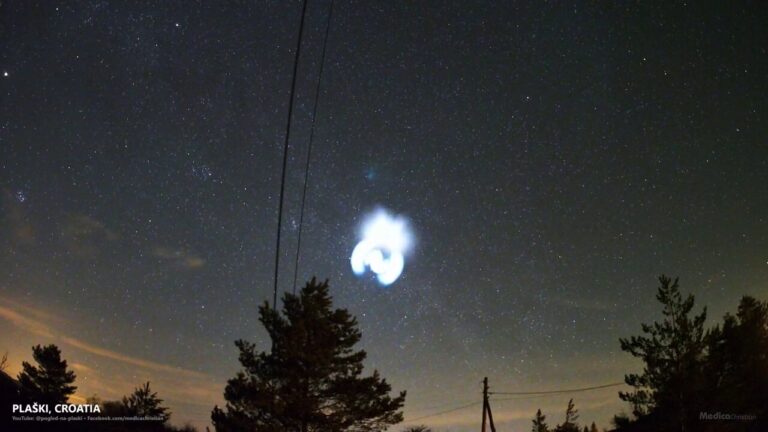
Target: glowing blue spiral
{"type": "Point", "coordinates": [386, 239]}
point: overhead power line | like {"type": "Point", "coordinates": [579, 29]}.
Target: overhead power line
{"type": "Point", "coordinates": [522, 396]}
{"type": "Point", "coordinates": [538, 396]}
{"type": "Point", "coordinates": [576, 390]}
{"type": "Point", "coordinates": [309, 145]}
{"type": "Point", "coordinates": [285, 150]}
{"type": "Point", "coordinates": [445, 412]}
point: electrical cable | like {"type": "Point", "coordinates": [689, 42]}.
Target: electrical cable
{"type": "Point", "coordinates": [527, 395]}
{"type": "Point", "coordinates": [577, 390]}
{"type": "Point", "coordinates": [445, 412]}
{"type": "Point", "coordinates": [285, 151]}
{"type": "Point", "coordinates": [309, 145]}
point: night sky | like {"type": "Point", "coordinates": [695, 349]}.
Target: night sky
{"type": "Point", "coordinates": [552, 159]}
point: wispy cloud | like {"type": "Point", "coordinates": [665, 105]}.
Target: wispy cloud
{"type": "Point", "coordinates": [82, 227]}
{"type": "Point", "coordinates": [111, 374]}
{"type": "Point", "coordinates": [38, 313]}
{"type": "Point", "coordinates": [85, 236]}
{"type": "Point", "coordinates": [40, 328]}
{"type": "Point", "coordinates": [179, 257]}
{"type": "Point", "coordinates": [136, 361]}
{"type": "Point", "coordinates": [28, 324]}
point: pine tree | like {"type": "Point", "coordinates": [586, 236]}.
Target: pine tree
{"type": "Point", "coordinates": [571, 415]}
{"type": "Point", "coordinates": [737, 365]}
{"type": "Point", "coordinates": [312, 379]}
{"type": "Point", "coordinates": [49, 382]}
{"type": "Point", "coordinates": [673, 352]}
{"type": "Point", "coordinates": [593, 428]}
{"type": "Point", "coordinates": [143, 402]}
{"type": "Point", "coordinates": [539, 424]}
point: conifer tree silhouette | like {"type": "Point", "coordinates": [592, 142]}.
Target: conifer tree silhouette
{"type": "Point", "coordinates": [49, 382]}
{"type": "Point", "coordinates": [143, 402]}
{"type": "Point", "coordinates": [312, 379]}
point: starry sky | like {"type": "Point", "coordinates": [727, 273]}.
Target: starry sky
{"type": "Point", "coordinates": [553, 159]}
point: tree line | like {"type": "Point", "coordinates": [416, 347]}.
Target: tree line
{"type": "Point", "coordinates": [310, 380]}
{"type": "Point", "coordinates": [569, 424]}
{"type": "Point", "coordinates": [50, 382]}
{"type": "Point", "coordinates": [694, 378]}
{"type": "Point", "coordinates": [693, 373]}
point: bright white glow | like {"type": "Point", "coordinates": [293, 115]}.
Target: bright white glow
{"type": "Point", "coordinates": [386, 239]}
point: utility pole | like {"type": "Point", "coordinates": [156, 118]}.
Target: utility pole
{"type": "Point", "coordinates": [485, 401]}
{"type": "Point", "coordinates": [487, 414]}
{"type": "Point", "coordinates": [490, 416]}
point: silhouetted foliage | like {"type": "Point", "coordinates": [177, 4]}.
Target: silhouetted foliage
{"type": "Point", "coordinates": [736, 369]}
{"type": "Point", "coordinates": [621, 421]}
{"type": "Point", "coordinates": [312, 378]}
{"type": "Point", "coordinates": [689, 372]}
{"type": "Point", "coordinates": [143, 402]}
{"type": "Point", "coordinates": [114, 408]}
{"type": "Point", "coordinates": [539, 422]}
{"type": "Point", "coordinates": [9, 394]}
{"type": "Point", "coordinates": [569, 424]}
{"type": "Point", "coordinates": [673, 352]}
{"type": "Point", "coordinates": [50, 381]}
